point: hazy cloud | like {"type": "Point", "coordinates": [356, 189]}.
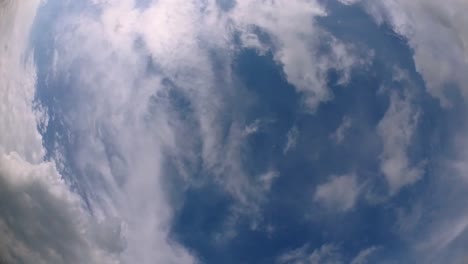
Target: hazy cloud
{"type": "Point", "coordinates": [326, 254]}
{"type": "Point", "coordinates": [339, 135]}
{"type": "Point", "coordinates": [396, 130]}
{"type": "Point", "coordinates": [339, 193]}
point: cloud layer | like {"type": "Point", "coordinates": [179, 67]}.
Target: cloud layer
{"type": "Point", "coordinates": [147, 106]}
{"type": "Point", "coordinates": [41, 221]}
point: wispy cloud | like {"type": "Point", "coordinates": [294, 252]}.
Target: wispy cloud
{"type": "Point", "coordinates": [340, 193]}
{"type": "Point", "coordinates": [291, 139]}
{"type": "Point", "coordinates": [397, 129]}
{"type": "Point", "coordinates": [327, 253]}
{"type": "Point", "coordinates": [430, 27]}
{"type": "Point", "coordinates": [339, 135]}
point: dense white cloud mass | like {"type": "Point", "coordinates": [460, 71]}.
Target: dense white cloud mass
{"type": "Point", "coordinates": [340, 193]}
{"type": "Point", "coordinates": [41, 221]}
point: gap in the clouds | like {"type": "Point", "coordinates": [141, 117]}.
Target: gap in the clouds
{"type": "Point", "coordinates": [293, 219]}
{"type": "Point", "coordinates": [143, 4]}
{"type": "Point", "coordinates": [290, 212]}
{"type": "Point", "coordinates": [226, 5]}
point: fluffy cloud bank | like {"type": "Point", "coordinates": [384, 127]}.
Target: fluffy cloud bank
{"type": "Point", "coordinates": [41, 221]}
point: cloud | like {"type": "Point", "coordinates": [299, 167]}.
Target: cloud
{"type": "Point", "coordinates": [296, 41]}
{"type": "Point", "coordinates": [430, 27]}
{"type": "Point", "coordinates": [339, 135]}
{"type": "Point", "coordinates": [41, 221]}
{"type": "Point", "coordinates": [435, 224]}
{"type": "Point", "coordinates": [326, 254]}
{"type": "Point", "coordinates": [268, 178]}
{"type": "Point", "coordinates": [255, 127]}
{"type": "Point", "coordinates": [340, 193]}
{"type": "Point", "coordinates": [291, 140]}
{"type": "Point", "coordinates": [135, 66]}
{"type": "Point", "coordinates": [363, 256]}
{"type": "Point", "coordinates": [396, 130]}
{"type": "Point", "coordinates": [124, 70]}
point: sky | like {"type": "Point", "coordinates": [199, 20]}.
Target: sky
{"type": "Point", "coordinates": [233, 131]}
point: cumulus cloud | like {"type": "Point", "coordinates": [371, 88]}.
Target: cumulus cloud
{"type": "Point", "coordinates": [339, 193]}
{"type": "Point", "coordinates": [41, 221]}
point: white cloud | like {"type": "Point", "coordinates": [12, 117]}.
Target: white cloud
{"type": "Point", "coordinates": [122, 106]}
{"type": "Point", "coordinates": [291, 140]}
{"type": "Point", "coordinates": [268, 178]}
{"type": "Point", "coordinates": [121, 121]}
{"type": "Point", "coordinates": [296, 41]}
{"type": "Point", "coordinates": [430, 26]}
{"type": "Point", "coordinates": [363, 256]}
{"type": "Point", "coordinates": [326, 254]}
{"type": "Point", "coordinates": [339, 193]}
{"type": "Point", "coordinates": [41, 221]}
{"type": "Point", "coordinates": [396, 130]}
{"type": "Point", "coordinates": [437, 34]}
{"type": "Point", "coordinates": [255, 127]}
{"type": "Point", "coordinates": [340, 133]}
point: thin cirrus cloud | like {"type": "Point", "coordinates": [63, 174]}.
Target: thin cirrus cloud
{"type": "Point", "coordinates": [327, 253]}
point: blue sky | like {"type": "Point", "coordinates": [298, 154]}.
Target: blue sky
{"type": "Point", "coordinates": [234, 132]}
